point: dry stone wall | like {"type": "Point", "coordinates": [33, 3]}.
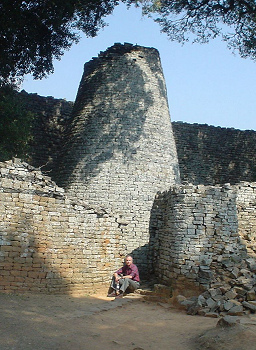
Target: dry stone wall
{"type": "Point", "coordinates": [213, 155]}
{"type": "Point", "coordinates": [120, 148]}
{"type": "Point", "coordinates": [204, 236]}
{"type": "Point", "coordinates": [207, 154]}
{"type": "Point", "coordinates": [50, 121]}
{"type": "Point", "coordinates": [246, 210]}
{"type": "Point", "coordinates": [112, 155]}
{"type": "Point", "coordinates": [49, 243]}
{"type": "Point", "coordinates": [200, 236]}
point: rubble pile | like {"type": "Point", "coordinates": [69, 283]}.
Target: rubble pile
{"type": "Point", "coordinates": [233, 292]}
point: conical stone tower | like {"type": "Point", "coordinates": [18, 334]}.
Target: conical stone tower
{"type": "Point", "coordinates": [120, 149]}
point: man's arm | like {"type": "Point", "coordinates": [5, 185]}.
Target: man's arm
{"type": "Point", "coordinates": [117, 277]}
{"type": "Point", "coordinates": [118, 273]}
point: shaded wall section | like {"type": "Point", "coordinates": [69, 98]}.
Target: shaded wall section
{"type": "Point", "coordinates": [207, 155]}
{"type": "Point", "coordinates": [50, 121]}
{"type": "Point", "coordinates": [213, 155]}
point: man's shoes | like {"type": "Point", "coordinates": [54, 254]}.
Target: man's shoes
{"type": "Point", "coordinates": [119, 296]}
{"type": "Point", "coordinates": [112, 294]}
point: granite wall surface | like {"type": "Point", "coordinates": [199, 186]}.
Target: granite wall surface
{"type": "Point", "coordinates": [119, 148]}
{"type": "Point", "coordinates": [49, 242]}
{"type": "Point", "coordinates": [212, 155]}
{"type": "Point", "coordinates": [117, 188]}
{"type": "Point", "coordinates": [205, 235]}
{"type": "Point", "coordinates": [110, 157]}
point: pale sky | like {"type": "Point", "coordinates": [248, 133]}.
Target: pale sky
{"type": "Point", "coordinates": [206, 84]}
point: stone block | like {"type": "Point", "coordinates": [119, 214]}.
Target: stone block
{"type": "Point", "coordinates": [231, 294]}
{"type": "Point", "coordinates": [251, 295]}
{"type": "Point", "coordinates": [236, 310]}
{"type": "Point", "coordinates": [228, 321]}
{"type": "Point", "coordinates": [249, 306]}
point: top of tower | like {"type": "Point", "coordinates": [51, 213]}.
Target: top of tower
{"type": "Point", "coordinates": [118, 50]}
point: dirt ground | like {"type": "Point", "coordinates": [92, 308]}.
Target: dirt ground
{"type": "Point", "coordinates": [53, 322]}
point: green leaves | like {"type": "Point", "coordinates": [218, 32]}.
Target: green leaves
{"type": "Point", "coordinates": [15, 125]}
{"type": "Point", "coordinates": [200, 21]}
{"type": "Point", "coordinates": [35, 32]}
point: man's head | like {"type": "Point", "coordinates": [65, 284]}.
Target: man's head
{"type": "Point", "coordinates": [128, 260]}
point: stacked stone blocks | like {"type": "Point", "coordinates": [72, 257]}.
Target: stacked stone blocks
{"type": "Point", "coordinates": [119, 149]}
{"type": "Point", "coordinates": [48, 242]}
{"type": "Point", "coordinates": [111, 157]}
{"type": "Point", "coordinates": [204, 236]}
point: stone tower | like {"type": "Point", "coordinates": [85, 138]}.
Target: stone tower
{"type": "Point", "coordinates": [120, 150]}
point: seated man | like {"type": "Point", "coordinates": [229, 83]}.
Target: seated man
{"type": "Point", "coordinates": [127, 277]}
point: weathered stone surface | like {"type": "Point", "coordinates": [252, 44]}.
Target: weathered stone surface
{"type": "Point", "coordinates": [211, 314]}
{"type": "Point", "coordinates": [251, 263]}
{"type": "Point", "coordinates": [228, 305]}
{"type": "Point", "coordinates": [183, 251]}
{"type": "Point", "coordinates": [231, 294]}
{"type": "Point", "coordinates": [120, 149]}
{"type": "Point", "coordinates": [211, 303]}
{"type": "Point", "coordinates": [205, 159]}
{"type": "Point", "coordinates": [236, 310]}
{"type": "Point", "coordinates": [201, 301]}
{"type": "Point", "coordinates": [204, 274]}
{"type": "Point", "coordinates": [249, 306]}
{"type": "Point", "coordinates": [239, 290]}
{"type": "Point", "coordinates": [228, 321]}
{"type": "Point", "coordinates": [194, 309]}
{"type": "Point", "coordinates": [252, 302]}
{"type": "Point", "coordinates": [113, 164]}
{"type": "Point", "coordinates": [180, 298]}
{"type": "Point", "coordinates": [235, 272]}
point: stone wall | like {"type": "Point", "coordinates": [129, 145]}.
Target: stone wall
{"type": "Point", "coordinates": [213, 155]}
{"type": "Point", "coordinates": [246, 206]}
{"type": "Point", "coordinates": [49, 243]}
{"type": "Point", "coordinates": [207, 155]}
{"type": "Point", "coordinates": [200, 237]}
{"type": "Point", "coordinates": [201, 234]}
{"type": "Point", "coordinates": [112, 155]}
{"type": "Point", "coordinates": [118, 151]}
{"type": "Point", "coordinates": [50, 121]}
{"type": "Point", "coordinates": [119, 148]}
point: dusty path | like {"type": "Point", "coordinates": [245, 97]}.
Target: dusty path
{"type": "Point", "coordinates": [48, 322]}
